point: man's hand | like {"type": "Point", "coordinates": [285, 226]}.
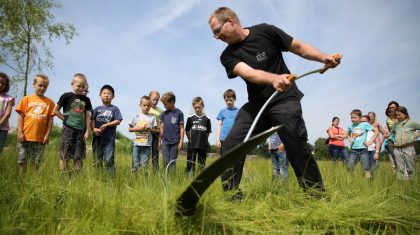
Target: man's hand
{"type": "Point", "coordinates": [281, 82]}
{"type": "Point", "coordinates": [331, 61]}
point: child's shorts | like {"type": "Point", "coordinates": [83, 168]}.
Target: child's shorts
{"type": "Point", "coordinates": [28, 150]}
{"type": "Point", "coordinates": [72, 144]}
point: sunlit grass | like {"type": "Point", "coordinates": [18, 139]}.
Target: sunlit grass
{"type": "Point", "coordinates": [44, 202]}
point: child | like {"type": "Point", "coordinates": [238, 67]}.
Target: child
{"type": "Point", "coordinates": [171, 134]}
{"type": "Point", "coordinates": [278, 156]}
{"type": "Point", "coordinates": [374, 148]}
{"type": "Point", "coordinates": [198, 129]}
{"type": "Point", "coordinates": [358, 140]}
{"type": "Point", "coordinates": [156, 111]}
{"type": "Point", "coordinates": [405, 131]}
{"type": "Point", "coordinates": [6, 104]}
{"type": "Point", "coordinates": [226, 118]}
{"type": "Point", "coordinates": [35, 122]}
{"type": "Point", "coordinates": [143, 125]}
{"type": "Point", "coordinates": [105, 119]}
{"type": "Point", "coordinates": [76, 118]}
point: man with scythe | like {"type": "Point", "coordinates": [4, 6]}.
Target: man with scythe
{"type": "Point", "coordinates": [255, 55]}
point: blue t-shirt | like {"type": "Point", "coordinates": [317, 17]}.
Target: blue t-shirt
{"type": "Point", "coordinates": [274, 141]}
{"type": "Point", "coordinates": [106, 114]}
{"type": "Point", "coordinates": [171, 120]}
{"type": "Point", "coordinates": [227, 116]}
{"type": "Point", "coordinates": [358, 133]}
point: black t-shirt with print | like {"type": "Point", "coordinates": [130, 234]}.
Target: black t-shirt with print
{"type": "Point", "coordinates": [261, 50]}
{"type": "Point", "coordinates": [74, 109]}
{"type": "Point", "coordinates": [199, 127]}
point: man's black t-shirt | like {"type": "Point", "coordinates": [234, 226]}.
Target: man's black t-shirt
{"type": "Point", "coordinates": [261, 50]}
{"type": "Point", "coordinates": [200, 128]}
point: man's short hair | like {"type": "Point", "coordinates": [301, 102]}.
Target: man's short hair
{"type": "Point", "coordinates": [223, 13]}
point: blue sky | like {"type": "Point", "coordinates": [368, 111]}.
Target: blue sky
{"type": "Point", "coordinates": [138, 46]}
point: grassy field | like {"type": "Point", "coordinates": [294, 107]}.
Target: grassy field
{"type": "Point", "coordinates": [42, 202]}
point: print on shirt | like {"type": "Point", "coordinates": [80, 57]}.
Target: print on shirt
{"type": "Point", "coordinates": [142, 137]}
{"type": "Point", "coordinates": [36, 109]}
{"type": "Point", "coordinates": [76, 114]}
{"type": "Point", "coordinates": [261, 56]}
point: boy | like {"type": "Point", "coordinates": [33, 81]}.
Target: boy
{"type": "Point", "coordinates": [226, 118]}
{"type": "Point", "coordinates": [171, 134]}
{"type": "Point", "coordinates": [156, 111]}
{"type": "Point", "coordinates": [105, 119]}
{"type": "Point", "coordinates": [76, 122]}
{"type": "Point", "coordinates": [35, 122]}
{"type": "Point", "coordinates": [359, 143]}
{"type": "Point", "coordinates": [143, 124]}
{"type": "Point", "coordinates": [198, 129]}
{"type": "Point", "coordinates": [278, 156]}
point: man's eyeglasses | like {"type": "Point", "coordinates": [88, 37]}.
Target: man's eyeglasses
{"type": "Point", "coordinates": [218, 29]}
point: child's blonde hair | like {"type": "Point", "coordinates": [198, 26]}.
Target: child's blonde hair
{"type": "Point", "coordinates": [41, 76]}
{"type": "Point", "coordinates": [80, 76]}
{"type": "Point", "coordinates": [145, 97]}
{"type": "Point", "coordinates": [168, 97]}
{"type": "Point", "coordinates": [154, 93]}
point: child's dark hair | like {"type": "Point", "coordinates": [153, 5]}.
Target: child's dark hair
{"type": "Point", "coordinates": [229, 93]}
{"type": "Point", "coordinates": [335, 118]}
{"type": "Point", "coordinates": [7, 86]}
{"type": "Point", "coordinates": [356, 112]}
{"type": "Point", "coordinates": [393, 103]}
{"type": "Point", "coordinates": [402, 110]}
{"type": "Point", "coordinates": [168, 97]}
{"type": "Point", "coordinates": [108, 87]}
{"type": "Point", "coordinates": [367, 117]}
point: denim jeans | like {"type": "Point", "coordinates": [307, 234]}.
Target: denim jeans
{"type": "Point", "coordinates": [373, 164]}
{"type": "Point", "coordinates": [155, 151]}
{"type": "Point", "coordinates": [280, 163]}
{"type": "Point", "coordinates": [170, 154]}
{"type": "Point", "coordinates": [140, 157]}
{"type": "Point", "coordinates": [405, 158]}
{"type": "Point", "coordinates": [361, 155]}
{"type": "Point", "coordinates": [3, 139]}
{"type": "Point", "coordinates": [337, 152]}
{"type": "Point", "coordinates": [104, 152]}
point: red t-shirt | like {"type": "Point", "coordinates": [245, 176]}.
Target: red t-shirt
{"type": "Point", "coordinates": [336, 131]}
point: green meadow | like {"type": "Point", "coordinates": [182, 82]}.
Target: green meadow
{"type": "Point", "coordinates": [45, 202]}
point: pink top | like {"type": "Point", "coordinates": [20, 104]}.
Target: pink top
{"type": "Point", "coordinates": [336, 131]}
{"type": "Point", "coordinates": [4, 100]}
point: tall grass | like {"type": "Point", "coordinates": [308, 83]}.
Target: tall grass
{"type": "Point", "coordinates": [44, 202]}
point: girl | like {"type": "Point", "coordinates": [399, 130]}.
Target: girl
{"type": "Point", "coordinates": [6, 104]}
{"type": "Point", "coordinates": [405, 135]}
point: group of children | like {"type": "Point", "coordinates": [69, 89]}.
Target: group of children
{"type": "Point", "coordinates": [153, 127]}
{"type": "Point", "coordinates": [365, 144]}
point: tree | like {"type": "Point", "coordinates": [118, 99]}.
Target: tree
{"type": "Point", "coordinates": [26, 26]}
{"type": "Point", "coordinates": [320, 149]}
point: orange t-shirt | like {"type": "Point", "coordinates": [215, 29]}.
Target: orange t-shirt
{"type": "Point", "coordinates": [336, 131]}
{"type": "Point", "coordinates": [36, 111]}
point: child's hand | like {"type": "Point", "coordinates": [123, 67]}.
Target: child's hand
{"type": "Point", "coordinates": [376, 156]}
{"type": "Point", "coordinates": [218, 144]}
{"type": "Point", "coordinates": [85, 136]}
{"type": "Point", "coordinates": [97, 131]}
{"type": "Point", "coordinates": [21, 136]}
{"type": "Point", "coordinates": [46, 139]}
{"type": "Point", "coordinates": [103, 127]}
{"type": "Point", "coordinates": [146, 126]}
{"type": "Point", "coordinates": [180, 146]}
